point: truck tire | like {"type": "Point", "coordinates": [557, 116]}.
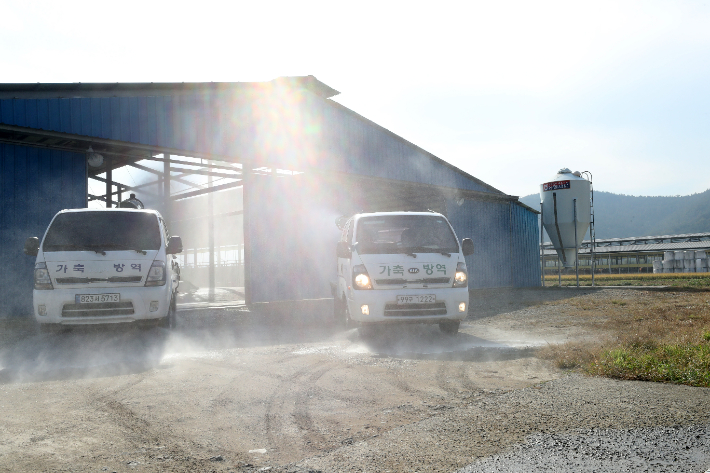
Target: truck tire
{"type": "Point", "coordinates": [342, 314]}
{"type": "Point", "coordinates": [450, 327]}
{"type": "Point", "coordinates": [170, 320]}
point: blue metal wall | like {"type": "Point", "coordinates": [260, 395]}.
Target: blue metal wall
{"type": "Point", "coordinates": [526, 247]}
{"type": "Point", "coordinates": [34, 185]}
{"type": "Point", "coordinates": [504, 236]}
{"type": "Point", "coordinates": [290, 130]}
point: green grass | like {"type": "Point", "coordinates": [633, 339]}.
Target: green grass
{"type": "Point", "coordinates": [680, 364]}
{"type": "Point", "coordinates": [676, 280]}
{"type": "Point", "coordinates": [661, 336]}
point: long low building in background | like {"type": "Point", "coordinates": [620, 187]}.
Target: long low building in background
{"type": "Point", "coordinates": [628, 255]}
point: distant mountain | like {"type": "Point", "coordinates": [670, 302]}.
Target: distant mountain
{"type": "Point", "coordinates": [623, 216]}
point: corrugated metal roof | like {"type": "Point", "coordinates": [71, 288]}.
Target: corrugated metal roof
{"type": "Point", "coordinates": [152, 89]}
{"type": "Point", "coordinates": [285, 129]}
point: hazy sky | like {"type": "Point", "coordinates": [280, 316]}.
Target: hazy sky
{"type": "Point", "coordinates": [507, 91]}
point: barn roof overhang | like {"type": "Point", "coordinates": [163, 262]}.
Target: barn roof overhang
{"type": "Point", "coordinates": [121, 153]}
{"type": "Point", "coordinates": [147, 89]}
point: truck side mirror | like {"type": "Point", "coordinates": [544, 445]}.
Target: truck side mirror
{"type": "Point", "coordinates": [343, 250]}
{"type": "Point", "coordinates": [32, 246]}
{"type": "Point", "coordinates": [467, 246]}
{"type": "Point", "coordinates": [174, 245]}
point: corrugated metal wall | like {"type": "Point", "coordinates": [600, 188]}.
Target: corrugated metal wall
{"type": "Point", "coordinates": [34, 185]}
{"type": "Point", "coordinates": [293, 131]}
{"type": "Point", "coordinates": [504, 235]}
{"type": "Point", "coordinates": [487, 223]}
{"type": "Point", "coordinates": [526, 247]}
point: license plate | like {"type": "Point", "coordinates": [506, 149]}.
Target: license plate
{"type": "Point", "coordinates": [93, 298]}
{"type": "Point", "coordinates": [419, 299]}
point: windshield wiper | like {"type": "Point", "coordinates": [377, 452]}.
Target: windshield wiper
{"type": "Point", "coordinates": [114, 246]}
{"type": "Point", "coordinates": [76, 248]}
{"type": "Point", "coordinates": [445, 253]}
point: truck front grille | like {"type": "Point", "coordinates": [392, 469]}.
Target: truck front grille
{"type": "Point", "coordinates": [393, 310]}
{"type": "Point", "coordinates": [97, 309]}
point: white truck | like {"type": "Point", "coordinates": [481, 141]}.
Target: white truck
{"type": "Point", "coordinates": [101, 266]}
{"type": "Point", "coordinates": [398, 267]}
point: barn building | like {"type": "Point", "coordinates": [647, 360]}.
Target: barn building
{"type": "Point", "coordinates": [277, 163]}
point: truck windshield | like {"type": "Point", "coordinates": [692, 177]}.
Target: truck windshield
{"type": "Point", "coordinates": [405, 234]}
{"type": "Point", "coordinates": [103, 231]}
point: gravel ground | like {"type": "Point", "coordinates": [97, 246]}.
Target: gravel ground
{"type": "Point", "coordinates": [230, 391]}
{"type": "Point", "coordinates": [661, 449]}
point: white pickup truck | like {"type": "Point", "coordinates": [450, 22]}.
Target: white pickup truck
{"type": "Point", "coordinates": [402, 267]}
{"type": "Point", "coordinates": [105, 266]}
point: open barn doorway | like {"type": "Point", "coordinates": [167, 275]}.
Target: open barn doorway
{"type": "Point", "coordinates": [201, 201]}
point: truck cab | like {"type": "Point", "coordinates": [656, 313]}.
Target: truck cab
{"type": "Point", "coordinates": [396, 267]}
{"type": "Point", "coordinates": [103, 266]}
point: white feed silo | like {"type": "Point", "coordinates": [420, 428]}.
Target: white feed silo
{"type": "Point", "coordinates": [558, 212]}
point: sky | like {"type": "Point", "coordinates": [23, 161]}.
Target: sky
{"type": "Point", "coordinates": [507, 91]}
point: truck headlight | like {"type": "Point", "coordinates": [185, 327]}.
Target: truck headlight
{"type": "Point", "coordinates": [42, 279]}
{"type": "Point", "coordinates": [361, 280]}
{"type": "Point", "coordinates": [156, 274]}
{"type": "Point", "coordinates": [461, 276]}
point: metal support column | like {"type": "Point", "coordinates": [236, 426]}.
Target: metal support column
{"type": "Point", "coordinates": [109, 181]}
{"type": "Point", "coordinates": [166, 189]}
{"type": "Point", "coordinates": [210, 233]}
{"type": "Point", "coordinates": [576, 246]}
{"type": "Point", "coordinates": [247, 179]}
{"type": "Point", "coordinates": [542, 250]}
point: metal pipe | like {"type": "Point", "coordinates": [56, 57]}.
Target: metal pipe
{"type": "Point", "coordinates": [210, 234]}
{"type": "Point", "coordinates": [109, 180]}
{"type": "Point", "coordinates": [542, 250]}
{"type": "Point", "coordinates": [576, 246]}
{"type": "Point", "coordinates": [246, 220]}
{"type": "Point", "coordinates": [166, 189]}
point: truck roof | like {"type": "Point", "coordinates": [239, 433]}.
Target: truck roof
{"type": "Point", "coordinates": [375, 214]}
{"type": "Point", "coordinates": [148, 211]}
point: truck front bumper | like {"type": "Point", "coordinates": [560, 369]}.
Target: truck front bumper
{"type": "Point", "coordinates": [380, 306]}
{"type": "Point", "coordinates": [59, 306]}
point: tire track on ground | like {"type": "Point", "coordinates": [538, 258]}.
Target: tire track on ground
{"type": "Point", "coordinates": [276, 410]}
{"type": "Point", "coordinates": [301, 411]}
{"type": "Point", "coordinates": [465, 379]}
{"type": "Point", "coordinates": [143, 435]}
{"type": "Point", "coordinates": [443, 378]}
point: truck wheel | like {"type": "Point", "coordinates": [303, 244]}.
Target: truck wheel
{"type": "Point", "coordinates": [342, 314]}
{"type": "Point", "coordinates": [170, 321]}
{"type": "Point", "coordinates": [450, 327]}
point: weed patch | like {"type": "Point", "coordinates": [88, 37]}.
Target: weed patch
{"type": "Point", "coordinates": [652, 336]}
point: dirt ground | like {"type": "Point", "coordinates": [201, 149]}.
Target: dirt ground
{"type": "Point", "coordinates": [232, 390]}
